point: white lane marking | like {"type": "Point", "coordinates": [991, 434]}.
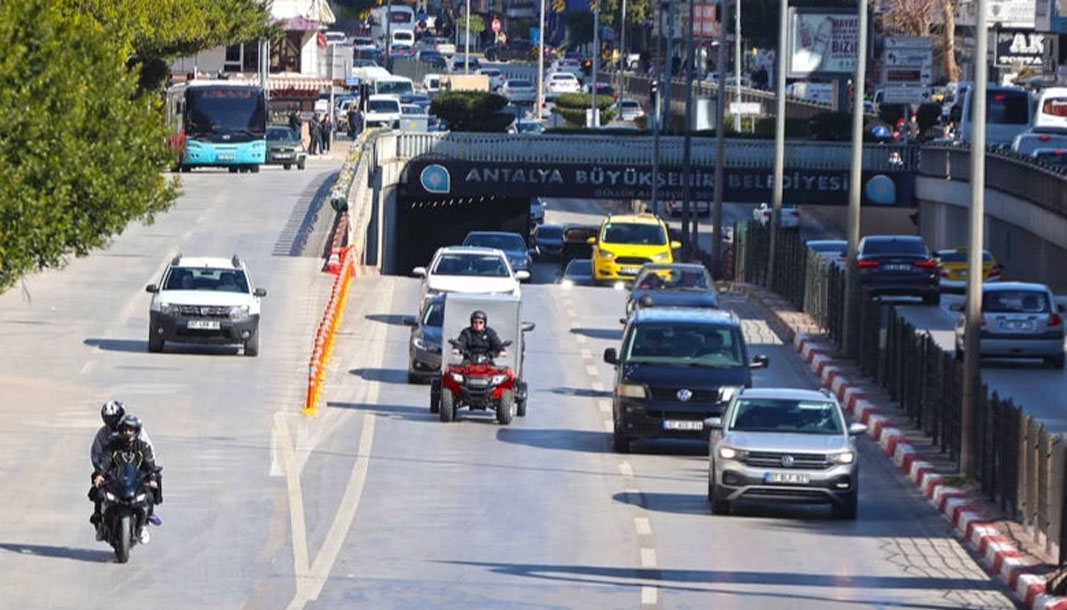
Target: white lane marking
{"type": "Point", "coordinates": [626, 469]}
{"type": "Point", "coordinates": [604, 406]}
{"type": "Point", "coordinates": [586, 354]}
{"type": "Point", "coordinates": [596, 386]}
{"type": "Point", "coordinates": [649, 596]}
{"type": "Point", "coordinates": [87, 367]}
{"type": "Point", "coordinates": [591, 370]}
{"type": "Point", "coordinates": [571, 312]}
{"type": "Point", "coordinates": [648, 558]}
{"type": "Point", "coordinates": [581, 339]}
{"type": "Point", "coordinates": [609, 426]}
{"type": "Point", "coordinates": [296, 497]}
{"type": "Point", "coordinates": [643, 526]}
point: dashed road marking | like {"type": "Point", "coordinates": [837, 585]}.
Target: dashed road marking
{"type": "Point", "coordinates": [643, 526]}
{"type": "Point", "coordinates": [604, 406]}
{"type": "Point", "coordinates": [596, 386]}
{"type": "Point", "coordinates": [581, 339]}
{"type": "Point", "coordinates": [626, 470]}
{"type": "Point", "coordinates": [649, 596]}
{"type": "Point", "coordinates": [648, 558]}
{"type": "Point", "coordinates": [591, 370]}
{"type": "Point", "coordinates": [87, 367]}
{"type": "Point", "coordinates": [586, 354]}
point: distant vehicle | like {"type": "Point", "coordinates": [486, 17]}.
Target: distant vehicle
{"type": "Point", "coordinates": [369, 70]}
{"type": "Point", "coordinates": [548, 239]}
{"type": "Point", "coordinates": [1008, 113]}
{"type": "Point", "coordinates": [788, 216]}
{"type": "Point", "coordinates": [602, 89]}
{"type": "Point", "coordinates": [218, 124]}
{"type": "Point", "coordinates": [898, 265]}
{"type": "Point", "coordinates": [562, 82]}
{"type": "Point", "coordinates": [363, 41]}
{"type": "Point", "coordinates": [579, 272]}
{"type": "Point", "coordinates": [443, 46]}
{"type": "Point", "coordinates": [676, 207]}
{"type": "Point", "coordinates": [468, 269]}
{"type": "Point", "coordinates": [626, 242]}
{"type": "Point", "coordinates": [285, 148]}
{"type": "Point", "coordinates": [784, 445]}
{"type": "Point", "coordinates": [511, 244]}
{"type": "Point", "coordinates": [402, 49]}
{"type": "Point", "coordinates": [1052, 108]}
{"type": "Point", "coordinates": [528, 126]}
{"type": "Point", "coordinates": [629, 109]}
{"type": "Point", "coordinates": [335, 38]}
{"type": "Point", "coordinates": [400, 17]}
{"type": "Point", "coordinates": [424, 345]}
{"type": "Point", "coordinates": [832, 249]}
{"type": "Point", "coordinates": [953, 264]}
{"type": "Point", "coordinates": [1051, 156]}
{"type": "Point", "coordinates": [519, 91]}
{"type": "Point", "coordinates": [1034, 139]}
{"type": "Point", "coordinates": [514, 50]}
{"type": "Point", "coordinates": [458, 63]}
{"type": "Point", "coordinates": [1019, 320]}
{"type": "Point", "coordinates": [432, 58]}
{"type": "Point", "coordinates": [374, 54]}
{"type": "Point", "coordinates": [813, 92]}
{"type": "Point", "coordinates": [393, 85]}
{"type": "Point", "coordinates": [496, 77]}
{"type": "Point", "coordinates": [672, 285]}
{"type": "Point", "coordinates": [431, 83]}
{"type": "Point", "coordinates": [569, 65]}
{"type": "Point", "coordinates": [382, 111]}
{"type": "Point", "coordinates": [537, 210]}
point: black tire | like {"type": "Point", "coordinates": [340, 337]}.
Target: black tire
{"type": "Point", "coordinates": [448, 406]}
{"type": "Point", "coordinates": [234, 169]}
{"type": "Point", "coordinates": [254, 169]}
{"type": "Point", "coordinates": [123, 539]}
{"type": "Point", "coordinates": [1055, 362]}
{"type": "Point", "coordinates": [301, 165]}
{"type": "Point", "coordinates": [413, 379]}
{"type": "Point", "coordinates": [619, 442]}
{"type": "Point", "coordinates": [505, 409]}
{"type": "Point", "coordinates": [252, 345]}
{"type": "Point", "coordinates": [185, 169]}
{"type": "Point", "coordinates": [932, 299]}
{"type": "Point", "coordinates": [958, 353]}
{"type": "Point", "coordinates": [155, 342]}
{"type": "Point", "coordinates": [719, 505]}
{"type": "Point", "coordinates": [849, 507]}
{"type": "Point", "coordinates": [287, 166]}
{"type": "Point", "coordinates": [435, 396]}
{"type": "Point", "coordinates": [520, 400]}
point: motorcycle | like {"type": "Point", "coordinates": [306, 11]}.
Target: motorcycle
{"type": "Point", "coordinates": [125, 507]}
{"type": "Point", "coordinates": [477, 383]}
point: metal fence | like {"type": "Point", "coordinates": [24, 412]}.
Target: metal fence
{"type": "Point", "coordinates": [1017, 463]}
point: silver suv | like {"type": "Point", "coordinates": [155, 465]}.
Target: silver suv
{"type": "Point", "coordinates": [783, 445]}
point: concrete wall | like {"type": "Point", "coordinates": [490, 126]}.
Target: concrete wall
{"type": "Point", "coordinates": [1031, 243]}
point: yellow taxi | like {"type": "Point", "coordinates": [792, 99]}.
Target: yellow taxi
{"type": "Point", "coordinates": [626, 242]}
{"type": "Point", "coordinates": [954, 269]}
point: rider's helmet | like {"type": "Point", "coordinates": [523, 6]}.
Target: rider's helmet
{"type": "Point", "coordinates": [479, 315]}
{"type": "Point", "coordinates": [112, 413]}
{"type": "Point", "coordinates": [130, 428]}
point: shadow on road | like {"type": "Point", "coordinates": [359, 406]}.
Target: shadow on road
{"type": "Point", "coordinates": [567, 440]}
{"type": "Point", "coordinates": [390, 319]}
{"type": "Point", "coordinates": [407, 412]}
{"type": "Point", "coordinates": [399, 376]}
{"type": "Point", "coordinates": [139, 346]}
{"type": "Point", "coordinates": [583, 392]}
{"type": "Point", "coordinates": [599, 333]}
{"type": "Point", "coordinates": [58, 552]}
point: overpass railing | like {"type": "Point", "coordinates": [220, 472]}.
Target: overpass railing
{"type": "Point", "coordinates": [639, 149]}
{"type": "Point", "coordinates": [796, 107]}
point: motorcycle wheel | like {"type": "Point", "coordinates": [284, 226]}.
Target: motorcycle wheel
{"type": "Point", "coordinates": [123, 540]}
{"type": "Point", "coordinates": [505, 409]}
{"type": "Point", "coordinates": [448, 406]}
{"type": "Point", "coordinates": [520, 402]}
{"type": "Point", "coordinates": [435, 396]}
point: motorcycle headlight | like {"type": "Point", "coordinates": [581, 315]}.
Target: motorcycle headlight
{"type": "Point", "coordinates": [844, 457]}
{"type": "Point", "coordinates": [632, 390]}
{"type": "Point", "coordinates": [498, 379]}
{"type": "Point", "coordinates": [139, 498]}
{"type": "Point", "coordinates": [727, 392]}
{"type": "Point", "coordinates": [237, 313]}
{"type": "Point", "coordinates": [456, 377]}
{"type": "Point", "coordinates": [729, 453]}
{"type": "Point", "coordinates": [110, 496]}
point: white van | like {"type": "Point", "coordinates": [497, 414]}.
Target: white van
{"type": "Point", "coordinates": [1008, 113]}
{"type": "Point", "coordinates": [394, 85]}
{"type": "Point", "coordinates": [1052, 108]}
{"type": "Point", "coordinates": [406, 37]}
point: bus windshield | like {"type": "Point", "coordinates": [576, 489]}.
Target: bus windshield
{"type": "Point", "coordinates": [226, 110]}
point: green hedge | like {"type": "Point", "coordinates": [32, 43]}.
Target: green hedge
{"type": "Point", "coordinates": [472, 111]}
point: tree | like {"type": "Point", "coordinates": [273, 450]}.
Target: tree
{"type": "Point", "coordinates": [477, 23]}
{"type": "Point", "coordinates": [925, 18]}
{"type": "Point", "coordinates": [83, 152]}
{"type": "Point", "coordinates": [472, 110]}
{"type": "Point", "coordinates": [948, 38]}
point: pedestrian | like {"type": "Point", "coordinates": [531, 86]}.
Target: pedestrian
{"type": "Point", "coordinates": [327, 132]}
{"type": "Point", "coordinates": [355, 121]}
{"type": "Point", "coordinates": [294, 120]}
{"type": "Point", "coordinates": [316, 135]}
{"type": "Point", "coordinates": [913, 128]}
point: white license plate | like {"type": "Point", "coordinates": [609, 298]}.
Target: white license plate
{"type": "Point", "coordinates": [1017, 324]}
{"type": "Point", "coordinates": [283, 155]}
{"type": "Point", "coordinates": [672, 424]}
{"type": "Point", "coordinates": [897, 267]}
{"type": "Point", "coordinates": [630, 270]}
{"type": "Point", "coordinates": [789, 478]}
{"type": "Point", "coordinates": [203, 324]}
{"type": "Point", "coordinates": [225, 157]}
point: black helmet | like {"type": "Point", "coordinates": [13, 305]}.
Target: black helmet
{"type": "Point", "coordinates": [479, 315]}
{"type": "Point", "coordinates": [112, 413]}
{"type": "Point", "coordinates": [130, 422]}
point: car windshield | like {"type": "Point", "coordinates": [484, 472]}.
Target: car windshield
{"type": "Point", "coordinates": [530, 127]}
{"type": "Point", "coordinates": [410, 109]}
{"type": "Point", "coordinates": [364, 63]}
{"type": "Point", "coordinates": [225, 109]}
{"type": "Point", "coordinates": [634, 233]}
{"type": "Point", "coordinates": [786, 416]}
{"type": "Point", "coordinates": [500, 242]}
{"type": "Point", "coordinates": [952, 256]}
{"type": "Point", "coordinates": [395, 87]}
{"type": "Point", "coordinates": [1015, 301]}
{"type": "Point", "coordinates": [206, 278]}
{"type": "Point", "coordinates": [483, 265]}
{"type": "Point", "coordinates": [630, 104]}
{"type": "Point", "coordinates": [579, 268]}
{"type": "Point", "coordinates": [674, 343]}
{"type": "Point", "coordinates": [281, 134]}
{"type": "Point", "coordinates": [384, 106]}
{"type": "Point", "coordinates": [549, 232]}
{"type": "Point", "coordinates": [893, 246]}
{"type": "Point", "coordinates": [672, 279]}
{"type": "Point", "coordinates": [434, 314]}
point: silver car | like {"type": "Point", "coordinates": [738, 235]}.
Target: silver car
{"type": "Point", "coordinates": [1019, 320]}
{"type": "Point", "coordinates": [783, 445]}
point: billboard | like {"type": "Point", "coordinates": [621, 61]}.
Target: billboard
{"type": "Point", "coordinates": [1020, 47]}
{"type": "Point", "coordinates": [823, 42]}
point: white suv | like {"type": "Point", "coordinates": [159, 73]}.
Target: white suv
{"type": "Point", "coordinates": [469, 269]}
{"type": "Point", "coordinates": [205, 300]}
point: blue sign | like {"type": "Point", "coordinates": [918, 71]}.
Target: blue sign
{"type": "Point", "coordinates": [352, 81]}
{"type": "Point", "coordinates": [435, 179]}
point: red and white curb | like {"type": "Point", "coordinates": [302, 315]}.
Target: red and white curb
{"type": "Point", "coordinates": [1002, 558]}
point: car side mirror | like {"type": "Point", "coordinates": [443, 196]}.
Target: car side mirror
{"type": "Point", "coordinates": [522, 275]}
{"type": "Point", "coordinates": [760, 362]}
{"type": "Point", "coordinates": [528, 326]}
{"type": "Point", "coordinates": [856, 429]}
{"type": "Point", "coordinates": [409, 321]}
{"type": "Point", "coordinates": [956, 307]}
{"type": "Point", "coordinates": [675, 245]}
{"type": "Point", "coordinates": [591, 241]}
{"type": "Point", "coordinates": [259, 292]}
{"type": "Point", "coordinates": [151, 288]}
{"type": "Point", "coordinates": [611, 356]}
{"type": "Point", "coordinates": [713, 423]}
{"type": "Point", "coordinates": [419, 272]}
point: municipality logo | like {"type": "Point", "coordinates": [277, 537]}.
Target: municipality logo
{"type": "Point", "coordinates": [435, 179]}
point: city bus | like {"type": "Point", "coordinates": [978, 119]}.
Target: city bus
{"type": "Point", "coordinates": [218, 123]}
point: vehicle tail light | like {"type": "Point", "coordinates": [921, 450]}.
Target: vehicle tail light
{"type": "Point", "coordinates": [1055, 320]}
{"type": "Point", "coordinates": [1044, 138]}
{"type": "Point", "coordinates": [867, 264]}
{"type": "Point", "coordinates": [926, 264]}
{"type": "Point", "coordinates": [795, 212]}
{"type": "Point", "coordinates": [995, 271]}
{"type": "Point", "coordinates": [944, 273]}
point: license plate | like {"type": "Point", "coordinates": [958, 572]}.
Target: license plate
{"type": "Point", "coordinates": [283, 156]}
{"type": "Point", "coordinates": [671, 424]}
{"type": "Point", "coordinates": [630, 270]}
{"type": "Point", "coordinates": [1017, 324]}
{"type": "Point", "coordinates": [897, 267]}
{"type": "Point", "coordinates": [789, 478]}
{"type": "Point", "coordinates": [225, 157]}
{"type": "Point", "coordinates": [203, 324]}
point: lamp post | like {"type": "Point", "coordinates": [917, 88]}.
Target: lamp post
{"type": "Point", "coordinates": [540, 62]}
{"type": "Point", "coordinates": [596, 58]}
{"type": "Point", "coordinates": [779, 132]}
{"type": "Point", "coordinates": [621, 68]}
{"type": "Point", "coordinates": [855, 193]}
{"type": "Point", "coordinates": [467, 34]}
{"type": "Point", "coordinates": [737, 61]}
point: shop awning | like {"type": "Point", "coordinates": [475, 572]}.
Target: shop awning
{"type": "Point", "coordinates": [295, 82]}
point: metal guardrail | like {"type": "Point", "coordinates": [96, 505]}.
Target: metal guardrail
{"type": "Point", "coordinates": [638, 149]}
{"type": "Point", "coordinates": [795, 107]}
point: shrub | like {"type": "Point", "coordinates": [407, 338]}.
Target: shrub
{"type": "Point", "coordinates": [472, 111]}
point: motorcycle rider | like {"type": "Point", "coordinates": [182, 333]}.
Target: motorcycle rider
{"type": "Point", "coordinates": [112, 413]}
{"type": "Point", "coordinates": [129, 440]}
{"type": "Point", "coordinates": [478, 338]}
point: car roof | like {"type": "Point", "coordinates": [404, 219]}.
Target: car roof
{"type": "Point", "coordinates": [892, 238]}
{"type": "Point", "coordinates": [1008, 286]}
{"type": "Point", "coordinates": [487, 233]}
{"type": "Point", "coordinates": [687, 315]}
{"type": "Point", "coordinates": [785, 393]}
{"type": "Point", "coordinates": [206, 261]}
{"type": "Point", "coordinates": [384, 96]}
{"type": "Point", "coordinates": [469, 250]}
{"type": "Point", "coordinates": [959, 250]}
{"type": "Point", "coordinates": [648, 219]}
{"type": "Point", "coordinates": [824, 241]}
{"type": "Point", "coordinates": [678, 266]}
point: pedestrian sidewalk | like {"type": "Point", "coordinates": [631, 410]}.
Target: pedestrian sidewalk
{"type": "Point", "coordinates": [1007, 549]}
{"type": "Point", "coordinates": [337, 153]}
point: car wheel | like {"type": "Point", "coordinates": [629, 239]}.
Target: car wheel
{"type": "Point", "coordinates": [287, 166]}
{"type": "Point", "coordinates": [186, 169]}
{"type": "Point", "coordinates": [448, 406]}
{"type": "Point", "coordinates": [719, 504]}
{"type": "Point", "coordinates": [234, 169]}
{"type": "Point", "coordinates": [435, 396]}
{"type": "Point", "coordinates": [301, 165]}
{"type": "Point", "coordinates": [849, 506]}
{"type": "Point", "coordinates": [1055, 362]}
{"type": "Point", "coordinates": [505, 409]}
{"type": "Point", "coordinates": [932, 299]}
{"type": "Point", "coordinates": [619, 442]}
{"type": "Point", "coordinates": [254, 169]}
{"type": "Point", "coordinates": [155, 341]}
{"type": "Point", "coordinates": [252, 345]}
{"type": "Point", "coordinates": [958, 354]}
{"type": "Point", "coordinates": [413, 378]}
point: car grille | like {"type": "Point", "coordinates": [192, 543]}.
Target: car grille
{"type": "Point", "coordinates": [671, 394]}
{"type": "Point", "coordinates": [803, 461]}
{"type": "Point", "coordinates": [679, 415]}
{"type": "Point", "coordinates": [632, 260]}
{"type": "Point", "coordinates": [204, 311]}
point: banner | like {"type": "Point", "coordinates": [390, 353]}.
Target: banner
{"type": "Point", "coordinates": [823, 43]}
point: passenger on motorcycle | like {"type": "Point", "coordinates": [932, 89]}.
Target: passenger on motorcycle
{"type": "Point", "coordinates": [478, 338]}
{"type": "Point", "coordinates": [129, 440]}
{"type": "Point", "coordinates": [112, 413]}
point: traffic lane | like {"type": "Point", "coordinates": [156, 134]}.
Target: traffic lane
{"type": "Point", "coordinates": [208, 412]}
{"type": "Point", "coordinates": [1030, 386]}
{"type": "Point", "coordinates": [477, 514]}
{"type": "Point", "coordinates": [899, 551]}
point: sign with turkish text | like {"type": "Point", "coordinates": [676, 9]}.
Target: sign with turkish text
{"type": "Point", "coordinates": [908, 60]}
{"type": "Point", "coordinates": [1020, 47]}
{"type": "Point", "coordinates": [823, 43]}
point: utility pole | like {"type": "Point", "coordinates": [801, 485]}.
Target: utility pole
{"type": "Point", "coordinates": [737, 61]}
{"type": "Point", "coordinates": [855, 180]}
{"type": "Point", "coordinates": [689, 244]}
{"type": "Point", "coordinates": [670, 65]}
{"type": "Point", "coordinates": [389, 36]}
{"type": "Point", "coordinates": [976, 245]}
{"type": "Point", "coordinates": [540, 62]}
{"type": "Point", "coordinates": [621, 68]}
{"type": "Point", "coordinates": [596, 59]}
{"type": "Point", "coordinates": [657, 115]}
{"type": "Point", "coordinates": [779, 133]}
{"type": "Point", "coordinates": [720, 143]}
{"type": "Point", "coordinates": [467, 34]}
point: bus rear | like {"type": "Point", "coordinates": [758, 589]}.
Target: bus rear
{"type": "Point", "coordinates": [224, 124]}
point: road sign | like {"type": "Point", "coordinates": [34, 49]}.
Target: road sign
{"type": "Point", "coordinates": [908, 60]}
{"type": "Point", "coordinates": [496, 25]}
{"type": "Point", "coordinates": [745, 108]}
{"type": "Point", "coordinates": [904, 94]}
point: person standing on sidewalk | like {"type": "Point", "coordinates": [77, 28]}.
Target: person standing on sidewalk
{"type": "Point", "coordinates": [316, 136]}
{"type": "Point", "coordinates": [327, 132]}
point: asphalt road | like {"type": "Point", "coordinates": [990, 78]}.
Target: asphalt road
{"type": "Point", "coordinates": [373, 503]}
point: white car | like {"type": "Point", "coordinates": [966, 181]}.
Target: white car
{"type": "Point", "coordinates": [519, 91]}
{"type": "Point", "coordinates": [442, 45]}
{"type": "Point", "coordinates": [496, 77]}
{"type": "Point", "coordinates": [205, 300]}
{"type": "Point", "coordinates": [382, 111]}
{"type": "Point", "coordinates": [629, 109]}
{"type": "Point", "coordinates": [572, 66]}
{"type": "Point", "coordinates": [468, 269]}
{"type": "Point", "coordinates": [562, 82]}
{"type": "Point", "coordinates": [789, 216]}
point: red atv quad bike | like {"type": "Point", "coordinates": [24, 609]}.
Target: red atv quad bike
{"type": "Point", "coordinates": [478, 384]}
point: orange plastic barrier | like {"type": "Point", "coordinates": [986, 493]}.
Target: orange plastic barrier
{"type": "Point", "coordinates": [327, 331]}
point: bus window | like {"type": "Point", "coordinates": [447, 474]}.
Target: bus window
{"type": "Point", "coordinates": [1005, 107]}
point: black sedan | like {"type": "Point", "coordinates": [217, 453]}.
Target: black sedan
{"type": "Point", "coordinates": [549, 240]}
{"type": "Point", "coordinates": [672, 285]}
{"type": "Point", "coordinates": [899, 265]}
{"type": "Point", "coordinates": [424, 347]}
{"type": "Point", "coordinates": [579, 272]}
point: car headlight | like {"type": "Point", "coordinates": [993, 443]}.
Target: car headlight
{"type": "Point", "coordinates": [498, 379]}
{"type": "Point", "coordinates": [727, 392]}
{"type": "Point", "coordinates": [662, 256]}
{"type": "Point", "coordinates": [110, 496]}
{"type": "Point", "coordinates": [139, 498]}
{"type": "Point", "coordinates": [605, 254]}
{"type": "Point", "coordinates": [239, 312]}
{"type": "Point", "coordinates": [632, 390]}
{"type": "Point", "coordinates": [844, 457]}
{"type": "Point", "coordinates": [456, 377]}
{"type": "Point", "coordinates": [729, 453]}
{"type": "Point", "coordinates": [168, 309]}
{"type": "Point", "coordinates": [619, 286]}
{"type": "Point", "coordinates": [567, 283]}
{"type": "Point", "coordinates": [423, 344]}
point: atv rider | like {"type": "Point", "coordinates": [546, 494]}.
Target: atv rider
{"type": "Point", "coordinates": [112, 413]}
{"type": "Point", "coordinates": [129, 440]}
{"type": "Point", "coordinates": [478, 338]}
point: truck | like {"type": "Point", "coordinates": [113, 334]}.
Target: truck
{"type": "Point", "coordinates": [465, 82]}
{"type": "Point", "coordinates": [822, 93]}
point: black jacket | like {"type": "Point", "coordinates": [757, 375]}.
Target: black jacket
{"type": "Point", "coordinates": [479, 342]}
{"type": "Point", "coordinates": [142, 456]}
